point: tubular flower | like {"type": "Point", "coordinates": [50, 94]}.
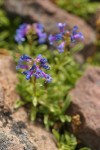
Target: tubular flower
{"type": "Point", "coordinates": [33, 67]}
{"type": "Point", "coordinates": [61, 26]}
{"type": "Point", "coordinates": [39, 28]}
{"type": "Point", "coordinates": [55, 38]}
{"type": "Point", "coordinates": [75, 35]}
{"type": "Point", "coordinates": [30, 29]}
{"type": "Point", "coordinates": [21, 33]}
{"type": "Point", "coordinates": [61, 47]}
{"type": "Point", "coordinates": [65, 37]}
{"type": "Point", "coordinates": [22, 62]}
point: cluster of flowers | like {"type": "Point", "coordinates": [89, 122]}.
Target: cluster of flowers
{"type": "Point", "coordinates": [65, 37]}
{"type": "Point", "coordinates": [33, 67]}
{"type": "Point", "coordinates": [60, 40]}
{"type": "Point", "coordinates": [26, 29]}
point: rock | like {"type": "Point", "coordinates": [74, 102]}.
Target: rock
{"type": "Point", "coordinates": [49, 14]}
{"type": "Point", "coordinates": [23, 117]}
{"type": "Point", "coordinates": [43, 139]}
{"type": "Point", "coordinates": [1, 98]}
{"type": "Point", "coordinates": [8, 81]}
{"type": "Point", "coordinates": [10, 140]}
{"type": "Point", "coordinates": [16, 131]}
{"type": "Point", "coordinates": [19, 136]}
{"type": "Point", "coordinates": [85, 108]}
{"type": "Point", "coordinates": [98, 24]}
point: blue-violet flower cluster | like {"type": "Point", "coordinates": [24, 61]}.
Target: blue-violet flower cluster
{"type": "Point", "coordinates": [33, 67]}
{"type": "Point", "coordinates": [30, 29]}
{"type": "Point", "coordinates": [65, 37]}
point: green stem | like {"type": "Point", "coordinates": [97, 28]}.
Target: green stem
{"type": "Point", "coordinates": [66, 104]}
{"type": "Point", "coordinates": [34, 83]}
{"type": "Point", "coordinates": [30, 42]}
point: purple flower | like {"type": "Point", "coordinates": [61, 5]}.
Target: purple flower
{"type": "Point", "coordinates": [20, 66]}
{"type": "Point", "coordinates": [42, 61]}
{"type": "Point", "coordinates": [39, 57]}
{"type": "Point", "coordinates": [51, 39]}
{"type": "Point", "coordinates": [34, 69]}
{"type": "Point", "coordinates": [38, 74]}
{"type": "Point", "coordinates": [76, 36]}
{"type": "Point", "coordinates": [65, 37]}
{"type": "Point", "coordinates": [29, 73]}
{"type": "Point", "coordinates": [25, 58]}
{"type": "Point", "coordinates": [42, 38]}
{"type": "Point", "coordinates": [47, 77]}
{"type": "Point", "coordinates": [75, 29]}
{"type": "Point", "coordinates": [21, 63]}
{"type": "Point", "coordinates": [20, 33]}
{"type": "Point", "coordinates": [31, 29]}
{"type": "Point", "coordinates": [39, 28]}
{"type": "Point", "coordinates": [54, 38]}
{"type": "Point", "coordinates": [61, 26]}
{"type": "Point", "coordinates": [61, 47]}
{"type": "Point", "coordinates": [45, 66]}
{"type": "Point", "coordinates": [58, 38]}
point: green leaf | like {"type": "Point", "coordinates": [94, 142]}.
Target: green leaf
{"type": "Point", "coordinates": [35, 101]}
{"type": "Point", "coordinates": [3, 19]}
{"type": "Point", "coordinates": [18, 104]}
{"type": "Point", "coordinates": [85, 148]}
{"type": "Point", "coordinates": [71, 140]}
{"type": "Point", "coordinates": [77, 48]}
{"type": "Point", "coordinates": [52, 109]}
{"type": "Point", "coordinates": [66, 104]}
{"type": "Point", "coordinates": [48, 122]}
{"type": "Point", "coordinates": [56, 134]}
{"type": "Point", "coordinates": [4, 35]}
{"type": "Point", "coordinates": [62, 118]}
{"type": "Point", "coordinates": [68, 118]}
{"type": "Point", "coordinates": [45, 119]}
{"type": "Point", "coordinates": [33, 113]}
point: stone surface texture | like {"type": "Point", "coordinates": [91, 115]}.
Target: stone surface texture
{"type": "Point", "coordinates": [8, 81]}
{"type": "Point", "coordinates": [86, 103]}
